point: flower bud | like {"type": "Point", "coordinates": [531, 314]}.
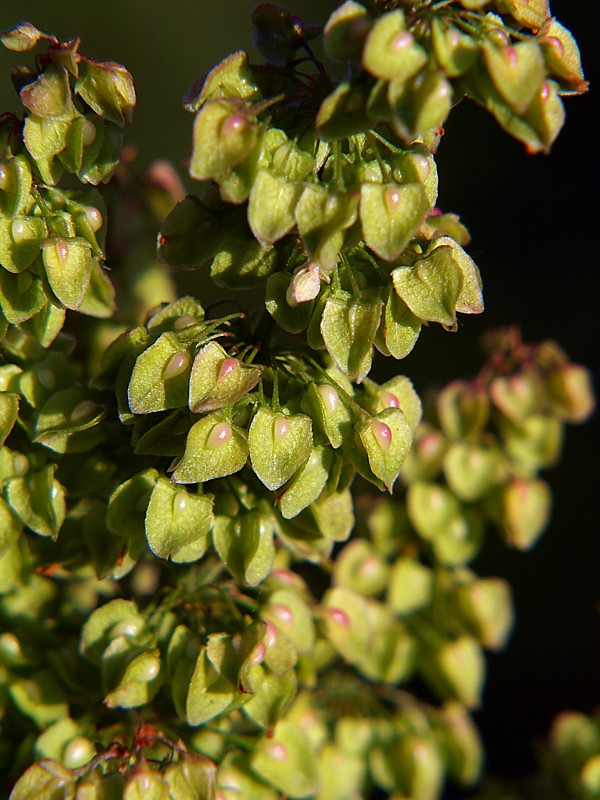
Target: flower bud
{"type": "Point", "coordinates": [390, 215]}
{"type": "Point", "coordinates": [214, 448]}
{"type": "Point", "coordinates": [225, 133]}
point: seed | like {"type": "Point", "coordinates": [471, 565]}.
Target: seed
{"type": "Point", "coordinates": [219, 435]}
{"type": "Point", "coordinates": [177, 364]}
{"type": "Point", "coordinates": [382, 433]}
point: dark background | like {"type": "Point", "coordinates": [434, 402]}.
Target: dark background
{"type": "Point", "coordinates": [535, 224]}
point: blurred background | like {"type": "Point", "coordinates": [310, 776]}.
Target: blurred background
{"type": "Point", "coordinates": [535, 225]}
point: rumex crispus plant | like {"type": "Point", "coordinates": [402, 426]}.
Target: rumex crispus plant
{"type": "Point", "coordinates": [232, 564]}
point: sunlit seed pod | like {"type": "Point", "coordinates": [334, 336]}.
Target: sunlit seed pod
{"type": "Point", "coordinates": [89, 133]}
{"type": "Point", "coordinates": [19, 230]}
{"type": "Point", "coordinates": [382, 434]}
{"type": "Point", "coordinates": [127, 627]}
{"type": "Point", "coordinates": [422, 165]}
{"type": "Point", "coordinates": [281, 428]}
{"type": "Point", "coordinates": [3, 177]}
{"type": "Point", "coordinates": [271, 635]}
{"type": "Point", "coordinates": [219, 435]}
{"type": "Point", "coordinates": [20, 464]}
{"type": "Point", "coordinates": [94, 217]}
{"type": "Point", "coordinates": [329, 395]}
{"type": "Point", "coordinates": [280, 155]}
{"type": "Point", "coordinates": [228, 366]}
{"type": "Point", "coordinates": [177, 364]}
{"type": "Point", "coordinates": [83, 411]}
{"type": "Point", "coordinates": [78, 752]}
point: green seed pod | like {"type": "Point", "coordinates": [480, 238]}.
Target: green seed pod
{"type": "Point", "coordinates": [214, 448]}
{"type": "Point", "coordinates": [530, 13]}
{"type": "Point", "coordinates": [517, 72]}
{"type": "Point", "coordinates": [398, 392]}
{"type": "Point", "coordinates": [518, 396]}
{"type": "Point", "coordinates": [456, 669]}
{"type": "Point", "coordinates": [272, 206]}
{"type": "Point", "coordinates": [463, 409]}
{"type": "Point", "coordinates": [410, 586]}
{"type": "Point", "coordinates": [307, 483]}
{"type": "Point", "coordinates": [21, 241]}
{"type": "Point", "coordinates": [279, 444]}
{"type": "Point", "coordinates": [68, 265]}
{"type": "Point", "coordinates": [178, 522]}
{"type": "Point", "coordinates": [22, 37]}
{"type": "Point", "coordinates": [322, 217]}
{"type": "Point", "coordinates": [571, 393]}
{"type": "Point", "coordinates": [160, 377]}
{"type": "Point", "coordinates": [461, 744]}
{"type": "Point", "coordinates": [534, 443]}
{"type": "Point", "coordinates": [346, 622]}
{"type": "Point", "coordinates": [190, 236]}
{"type": "Point", "coordinates": [191, 778]}
{"type": "Point", "coordinates": [100, 787]}
{"type": "Point", "coordinates": [386, 439]}
{"type": "Point", "coordinates": [391, 654]}
{"type": "Point", "coordinates": [287, 760]}
{"type": "Point", "coordinates": [291, 615]}
{"type": "Point", "coordinates": [472, 470]}
{"type": "Point", "coordinates": [344, 112]}
{"type": "Point", "coordinates": [49, 95]}
{"type": "Point", "coordinates": [345, 31]}
{"type": "Point", "coordinates": [390, 50]}
{"type": "Point", "coordinates": [225, 133]}
{"type": "Point", "coordinates": [235, 779]}
{"type": "Point", "coordinates": [218, 380]}
{"type": "Point", "coordinates": [292, 318]}
{"type": "Point", "coordinates": [348, 326]}
{"type": "Point", "coordinates": [487, 606]}
{"type": "Point", "coordinates": [107, 88]}
{"type": "Point", "coordinates": [146, 784]}
{"type": "Point", "coordinates": [419, 105]}
{"type": "Point", "coordinates": [231, 78]}
{"type": "Point", "coordinates": [45, 780]}
{"type": "Point", "coordinates": [245, 545]}
{"type": "Point", "coordinates": [390, 215]}
{"type": "Point", "coordinates": [401, 328]}
{"type": "Point", "coordinates": [360, 567]}
{"type": "Point", "coordinates": [561, 55]}
{"type": "Point", "coordinates": [454, 51]}
{"type": "Point", "coordinates": [422, 763]}
{"type": "Point", "coordinates": [522, 510]}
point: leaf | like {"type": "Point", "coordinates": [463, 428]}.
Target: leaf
{"type": "Point", "coordinates": [178, 522]}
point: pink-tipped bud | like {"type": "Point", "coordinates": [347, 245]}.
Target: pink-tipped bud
{"type": "Point", "coordinates": [271, 635]}
{"type": "Point", "coordinates": [281, 428]}
{"type": "Point", "coordinates": [329, 395]}
{"type": "Point", "coordinates": [219, 435]}
{"type": "Point", "coordinates": [391, 198]}
{"type": "Point", "coordinates": [389, 400]}
{"type": "Point", "coordinates": [259, 653]}
{"type": "Point", "coordinates": [234, 124]}
{"type": "Point", "coordinates": [510, 56]}
{"type": "Point", "coordinates": [545, 92]}
{"type": "Point", "coordinates": [555, 43]}
{"type": "Point", "coordinates": [402, 41]}
{"type": "Point", "coordinates": [278, 751]}
{"type": "Point", "coordinates": [382, 434]}
{"type": "Point", "coordinates": [283, 613]}
{"type": "Point", "coordinates": [228, 366]}
{"type": "Point", "coordinates": [62, 249]}
{"type": "Point", "coordinates": [339, 617]}
{"type": "Point", "coordinates": [177, 364]}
